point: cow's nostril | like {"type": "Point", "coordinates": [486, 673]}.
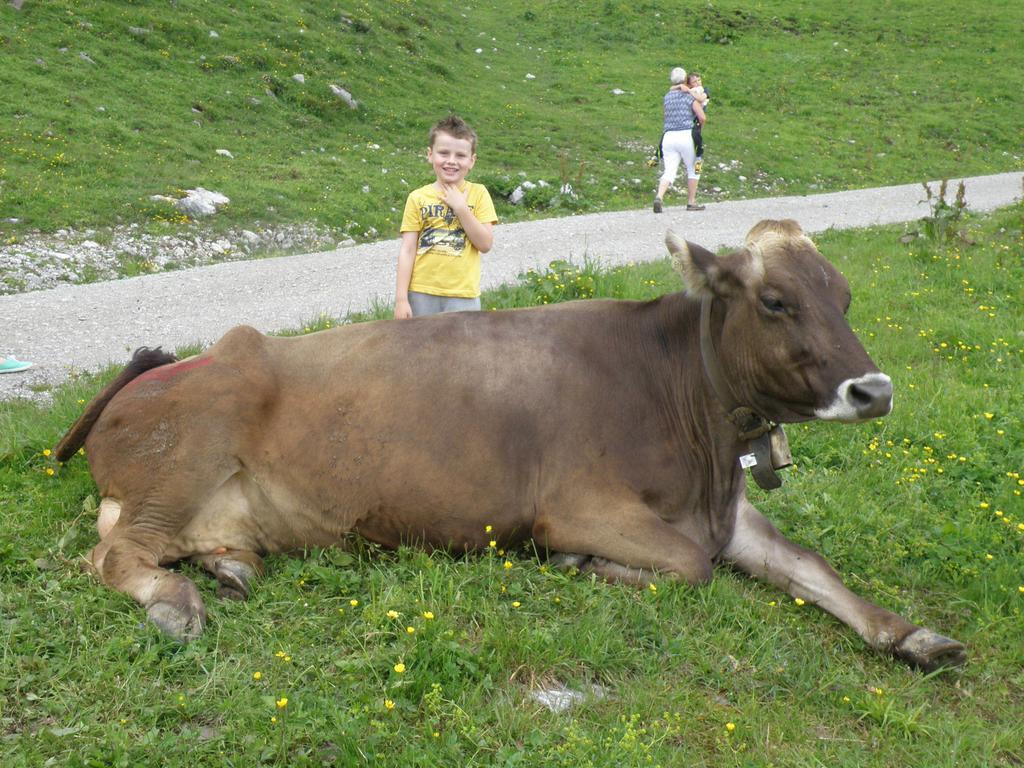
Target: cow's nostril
{"type": "Point", "coordinates": [872, 396]}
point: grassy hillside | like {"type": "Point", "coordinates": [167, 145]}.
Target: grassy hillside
{"type": "Point", "coordinates": [103, 104]}
{"type": "Point", "coordinates": [920, 512]}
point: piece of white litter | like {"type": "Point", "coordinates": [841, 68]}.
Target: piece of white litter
{"type": "Point", "coordinates": [558, 698]}
{"type": "Point", "coordinates": [530, 77]}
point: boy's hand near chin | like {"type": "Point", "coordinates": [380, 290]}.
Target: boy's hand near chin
{"type": "Point", "coordinates": [454, 197]}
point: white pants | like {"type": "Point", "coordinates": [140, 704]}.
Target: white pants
{"type": "Point", "coordinates": [676, 146]}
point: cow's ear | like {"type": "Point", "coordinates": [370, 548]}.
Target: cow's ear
{"type": "Point", "coordinates": [697, 266]}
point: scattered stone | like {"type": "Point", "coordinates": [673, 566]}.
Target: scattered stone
{"type": "Point", "coordinates": [225, 153]}
{"type": "Point", "coordinates": [37, 261]}
{"type": "Point", "coordinates": [618, 91]}
{"type": "Point", "coordinates": [530, 77]}
{"type": "Point", "coordinates": [213, 34]}
{"type": "Point", "coordinates": [16, 4]}
{"type": "Point", "coordinates": [138, 31]}
{"type": "Point", "coordinates": [85, 57]}
{"type": "Point", "coordinates": [344, 95]}
{"type": "Point", "coordinates": [200, 202]}
{"type": "Point", "coordinates": [298, 77]}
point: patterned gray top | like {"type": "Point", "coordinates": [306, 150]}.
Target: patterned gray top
{"type": "Point", "coordinates": [678, 111]}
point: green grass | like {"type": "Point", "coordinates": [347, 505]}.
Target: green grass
{"type": "Point", "coordinates": [805, 96]}
{"type": "Point", "coordinates": [920, 512]}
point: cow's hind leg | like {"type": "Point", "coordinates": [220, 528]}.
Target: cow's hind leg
{"type": "Point", "coordinates": [625, 539]}
{"type": "Point", "coordinates": [759, 549]}
{"type": "Point", "coordinates": [234, 570]}
{"type": "Point", "coordinates": [128, 560]}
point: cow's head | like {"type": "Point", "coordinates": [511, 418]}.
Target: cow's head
{"type": "Point", "coordinates": [779, 326]}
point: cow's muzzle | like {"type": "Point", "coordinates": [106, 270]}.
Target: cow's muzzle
{"type": "Point", "coordinates": [867, 397]}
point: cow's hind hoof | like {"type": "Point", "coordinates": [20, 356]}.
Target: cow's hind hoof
{"type": "Point", "coordinates": [183, 623]}
{"type": "Point", "coordinates": [234, 578]}
{"type": "Point", "coordinates": [928, 651]}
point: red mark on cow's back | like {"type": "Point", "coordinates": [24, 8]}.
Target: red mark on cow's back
{"type": "Point", "coordinates": [168, 372]}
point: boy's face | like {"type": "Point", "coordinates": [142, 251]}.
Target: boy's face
{"type": "Point", "coordinates": [451, 158]}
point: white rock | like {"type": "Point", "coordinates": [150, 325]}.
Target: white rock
{"type": "Point", "coordinates": [517, 195]}
{"type": "Point", "coordinates": [344, 95]}
{"type": "Point", "coordinates": [213, 34]}
{"type": "Point", "coordinates": [298, 77]}
{"type": "Point", "coordinates": [225, 153]}
{"type": "Point", "coordinates": [530, 77]}
{"type": "Point", "coordinates": [617, 91]}
{"type": "Point", "coordinates": [201, 202]}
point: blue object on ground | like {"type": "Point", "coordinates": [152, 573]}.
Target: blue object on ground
{"type": "Point", "coordinates": [10, 365]}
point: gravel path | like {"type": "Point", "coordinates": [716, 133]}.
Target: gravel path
{"type": "Point", "coordinates": [79, 328]}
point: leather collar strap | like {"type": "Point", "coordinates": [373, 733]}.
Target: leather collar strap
{"type": "Point", "coordinates": [752, 427]}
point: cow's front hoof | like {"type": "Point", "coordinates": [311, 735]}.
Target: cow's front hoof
{"type": "Point", "coordinates": [234, 578]}
{"type": "Point", "coordinates": [928, 651]}
{"type": "Point", "coordinates": [183, 623]}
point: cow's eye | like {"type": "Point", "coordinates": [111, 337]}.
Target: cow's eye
{"type": "Point", "coordinates": [773, 303]}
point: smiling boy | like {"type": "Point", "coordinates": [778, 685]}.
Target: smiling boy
{"type": "Point", "coordinates": [445, 228]}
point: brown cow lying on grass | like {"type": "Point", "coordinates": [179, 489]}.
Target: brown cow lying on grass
{"type": "Point", "coordinates": [592, 427]}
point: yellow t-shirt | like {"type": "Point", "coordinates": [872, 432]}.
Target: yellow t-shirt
{"type": "Point", "coordinates": [447, 263]}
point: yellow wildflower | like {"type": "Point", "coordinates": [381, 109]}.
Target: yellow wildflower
{"type": "Point", "coordinates": [257, 675]}
{"type": "Point", "coordinates": [488, 529]}
{"type": "Point", "coordinates": [389, 704]}
{"type": "Point", "coordinates": [799, 601]}
{"type": "Point", "coordinates": [399, 667]}
{"type": "Point", "coordinates": [282, 702]}
{"type": "Point", "coordinates": [508, 564]}
{"type": "Point", "coordinates": [428, 615]}
{"type": "Point", "coordinates": [730, 727]}
{"type": "Point", "coordinates": [410, 630]}
{"type": "Point", "coordinates": [353, 602]}
{"type": "Point", "coordinates": [46, 451]}
{"type": "Point", "coordinates": [516, 603]}
{"type": "Point", "coordinates": [392, 614]}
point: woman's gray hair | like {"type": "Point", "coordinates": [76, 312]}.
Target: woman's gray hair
{"type": "Point", "coordinates": [677, 75]}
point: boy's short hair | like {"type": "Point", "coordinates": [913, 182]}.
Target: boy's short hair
{"type": "Point", "coordinates": [455, 126]}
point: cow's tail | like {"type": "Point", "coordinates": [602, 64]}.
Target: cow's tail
{"type": "Point", "coordinates": [143, 360]}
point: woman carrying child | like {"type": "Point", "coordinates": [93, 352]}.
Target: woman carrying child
{"type": "Point", "coordinates": [681, 112]}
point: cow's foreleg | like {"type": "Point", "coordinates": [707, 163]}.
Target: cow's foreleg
{"type": "Point", "coordinates": [128, 560]}
{"type": "Point", "coordinates": [234, 570]}
{"type": "Point", "coordinates": [759, 549]}
{"type": "Point", "coordinates": [626, 542]}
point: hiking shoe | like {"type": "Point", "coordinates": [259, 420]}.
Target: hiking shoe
{"type": "Point", "coordinates": [10, 365]}
{"type": "Point", "coordinates": [657, 205]}
{"type": "Point", "coordinates": [694, 207]}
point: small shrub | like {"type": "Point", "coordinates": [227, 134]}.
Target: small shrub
{"type": "Point", "coordinates": [941, 224]}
